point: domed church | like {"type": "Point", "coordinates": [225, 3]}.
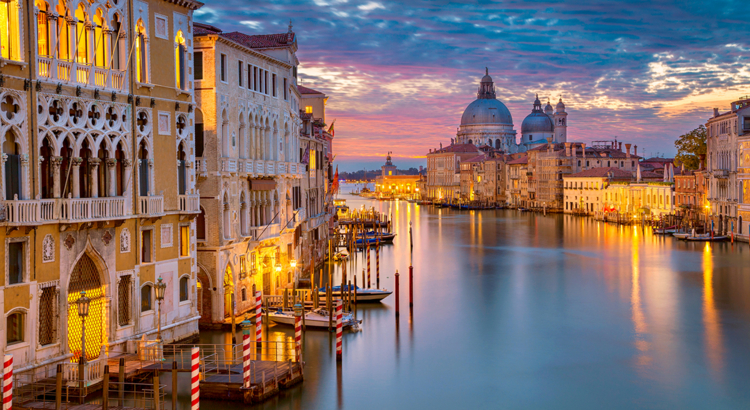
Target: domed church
{"type": "Point", "coordinates": [487, 121]}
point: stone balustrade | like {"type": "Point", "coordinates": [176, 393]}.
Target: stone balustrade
{"type": "Point", "coordinates": [82, 74]}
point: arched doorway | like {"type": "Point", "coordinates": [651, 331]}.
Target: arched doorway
{"type": "Point", "coordinates": [228, 291]}
{"type": "Point", "coordinates": [86, 278]}
{"type": "Point", "coordinates": [204, 296]}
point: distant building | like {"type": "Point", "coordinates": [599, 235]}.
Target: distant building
{"type": "Point", "coordinates": [584, 191]}
{"type": "Point", "coordinates": [388, 184]}
{"type": "Point", "coordinates": [443, 170]}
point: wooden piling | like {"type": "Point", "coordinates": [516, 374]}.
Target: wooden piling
{"type": "Point", "coordinates": [397, 298]}
{"type": "Point", "coordinates": [105, 388]}
{"type": "Point", "coordinates": [58, 387]}
{"type": "Point", "coordinates": [174, 385]}
{"type": "Point", "coordinates": [411, 286]}
{"type": "Point", "coordinates": [156, 390]}
{"type": "Point", "coordinates": [121, 380]}
{"type": "Point", "coordinates": [355, 297]}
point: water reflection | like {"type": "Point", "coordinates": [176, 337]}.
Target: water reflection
{"type": "Point", "coordinates": [535, 311]}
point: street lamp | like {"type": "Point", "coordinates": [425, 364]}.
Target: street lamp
{"type": "Point", "coordinates": [293, 264]}
{"type": "Point", "coordinates": [161, 286]}
{"type": "Point", "coordinates": [83, 310]}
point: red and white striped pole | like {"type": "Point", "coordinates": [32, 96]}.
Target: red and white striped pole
{"type": "Point", "coordinates": [298, 332]}
{"type": "Point", "coordinates": [377, 264]}
{"type": "Point", "coordinates": [368, 264]}
{"type": "Point", "coordinates": [246, 358]}
{"type": "Point", "coordinates": [7, 382]}
{"type": "Point", "coordinates": [195, 379]}
{"type": "Point", "coordinates": [258, 318]}
{"type": "Point", "coordinates": [338, 329]}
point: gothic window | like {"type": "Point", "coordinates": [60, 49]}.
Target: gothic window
{"type": "Point", "coordinates": [182, 170]}
{"type": "Point", "coordinates": [146, 298]}
{"type": "Point", "coordinates": [15, 328]}
{"type": "Point", "coordinates": [42, 29]}
{"type": "Point", "coordinates": [48, 169]}
{"type": "Point", "coordinates": [180, 53]}
{"type": "Point", "coordinates": [82, 36]}
{"type": "Point", "coordinates": [9, 30]}
{"type": "Point", "coordinates": [184, 288]}
{"type": "Point", "coordinates": [63, 36]}
{"type": "Point", "coordinates": [12, 152]}
{"type": "Point", "coordinates": [100, 43]}
{"type": "Point", "coordinates": [143, 170]}
{"type": "Point", "coordinates": [141, 53]}
{"type": "Point", "coordinates": [116, 28]}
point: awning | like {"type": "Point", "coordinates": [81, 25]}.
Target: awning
{"type": "Point", "coordinates": [262, 184]}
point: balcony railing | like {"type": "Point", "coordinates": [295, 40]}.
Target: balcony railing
{"type": "Point", "coordinates": [229, 165]}
{"type": "Point", "coordinates": [270, 167]}
{"type": "Point", "coordinates": [84, 74]}
{"type": "Point", "coordinates": [266, 232]}
{"type": "Point", "coordinates": [151, 205]}
{"type": "Point", "coordinates": [35, 211]}
{"type": "Point", "coordinates": [200, 167]}
{"type": "Point", "coordinates": [190, 203]}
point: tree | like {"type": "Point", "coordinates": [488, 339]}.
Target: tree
{"type": "Point", "coordinates": [690, 148]}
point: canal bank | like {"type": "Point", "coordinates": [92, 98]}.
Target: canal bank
{"type": "Point", "coordinates": [533, 311]}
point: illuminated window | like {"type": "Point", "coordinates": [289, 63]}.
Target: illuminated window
{"type": "Point", "coordinates": [184, 288]}
{"type": "Point", "coordinates": [185, 240]}
{"type": "Point", "coordinates": [146, 298]}
{"type": "Point", "coordinates": [141, 55]}
{"type": "Point", "coordinates": [63, 36]}
{"type": "Point", "coordinates": [14, 329]}
{"type": "Point", "coordinates": [100, 44]}
{"type": "Point", "coordinates": [82, 36]}
{"type": "Point", "coordinates": [114, 39]}
{"type": "Point", "coordinates": [9, 35]}
{"type": "Point", "coordinates": [42, 29]}
{"type": "Point", "coordinates": [180, 56]}
{"type": "Point", "coordinates": [48, 316]}
{"type": "Point", "coordinates": [308, 109]}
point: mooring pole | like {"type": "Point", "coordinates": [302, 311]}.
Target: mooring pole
{"type": "Point", "coordinates": [411, 287]}
{"type": "Point", "coordinates": [397, 298]}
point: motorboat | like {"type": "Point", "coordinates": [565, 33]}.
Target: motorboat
{"type": "Point", "coordinates": [383, 237]}
{"type": "Point", "coordinates": [665, 231]}
{"type": "Point", "coordinates": [681, 235]}
{"type": "Point", "coordinates": [317, 318]}
{"type": "Point", "coordinates": [363, 295]}
{"type": "Point", "coordinates": [341, 255]}
{"type": "Point", "coordinates": [707, 238]}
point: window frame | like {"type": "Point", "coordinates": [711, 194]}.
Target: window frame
{"type": "Point", "coordinates": [186, 278]}
{"type": "Point", "coordinates": [22, 313]}
{"type": "Point", "coordinates": [152, 251]}
{"type": "Point", "coordinates": [25, 258]}
{"type": "Point", "coordinates": [195, 65]}
{"type": "Point", "coordinates": [223, 68]}
{"type": "Point", "coordinates": [181, 228]}
{"type": "Point", "coordinates": [240, 66]}
{"type": "Point", "coordinates": [150, 286]}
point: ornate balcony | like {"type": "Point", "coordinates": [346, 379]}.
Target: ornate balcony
{"type": "Point", "coordinates": [81, 74]}
{"type": "Point", "coordinates": [200, 168]}
{"type": "Point", "coordinates": [229, 165]}
{"type": "Point", "coordinates": [190, 203]}
{"type": "Point", "coordinates": [85, 209]}
{"type": "Point", "coordinates": [67, 210]}
{"type": "Point", "coordinates": [151, 206]}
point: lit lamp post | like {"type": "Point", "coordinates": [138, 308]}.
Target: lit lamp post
{"type": "Point", "coordinates": [161, 286]}
{"type": "Point", "coordinates": [293, 264]}
{"type": "Point", "coordinates": [83, 310]}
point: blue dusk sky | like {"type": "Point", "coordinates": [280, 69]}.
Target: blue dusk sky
{"type": "Point", "coordinates": [400, 73]}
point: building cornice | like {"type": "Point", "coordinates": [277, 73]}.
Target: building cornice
{"type": "Point", "coordinates": [218, 38]}
{"type": "Point", "coordinates": [188, 4]}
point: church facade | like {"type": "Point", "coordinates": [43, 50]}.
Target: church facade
{"type": "Point", "coordinates": [487, 121]}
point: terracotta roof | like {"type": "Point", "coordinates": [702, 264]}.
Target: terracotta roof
{"type": "Point", "coordinates": [457, 148]}
{"type": "Point", "coordinates": [203, 29]}
{"type": "Point", "coordinates": [305, 90]}
{"type": "Point", "coordinates": [522, 160]}
{"type": "Point", "coordinates": [478, 158]}
{"type": "Point", "coordinates": [261, 40]}
{"type": "Point", "coordinates": [602, 172]}
{"type": "Point", "coordinates": [659, 160]}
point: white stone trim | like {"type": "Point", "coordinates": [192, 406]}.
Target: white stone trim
{"type": "Point", "coordinates": [166, 231]}
{"type": "Point", "coordinates": [27, 260]}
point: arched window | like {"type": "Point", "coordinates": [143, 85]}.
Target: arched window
{"type": "Point", "coordinates": [120, 171]}
{"type": "Point", "coordinates": [141, 66]}
{"type": "Point", "coordinates": [63, 34]}
{"type": "Point", "coordinates": [42, 29]}
{"type": "Point", "coordinates": [181, 170]}
{"type": "Point", "coordinates": [244, 294]}
{"type": "Point", "coordinates": [180, 56]}
{"type": "Point", "coordinates": [15, 328]}
{"type": "Point", "coordinates": [100, 43]}
{"type": "Point", "coordinates": [226, 217]}
{"type": "Point", "coordinates": [184, 288]}
{"type": "Point", "coordinates": [114, 38]}
{"type": "Point", "coordinates": [82, 36]}
{"type": "Point", "coordinates": [9, 34]}
{"type": "Point", "coordinates": [12, 167]}
{"type": "Point", "coordinates": [48, 173]}
{"type": "Point", "coordinates": [146, 298]}
{"type": "Point", "coordinates": [143, 170]}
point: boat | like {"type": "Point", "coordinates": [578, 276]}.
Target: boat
{"type": "Point", "coordinates": [680, 235]}
{"type": "Point", "coordinates": [341, 256]}
{"type": "Point", "coordinates": [363, 295]}
{"type": "Point", "coordinates": [665, 231]}
{"type": "Point", "coordinates": [317, 318]}
{"type": "Point", "coordinates": [707, 238]}
{"type": "Point", "coordinates": [374, 240]}
{"type": "Point", "coordinates": [382, 237]}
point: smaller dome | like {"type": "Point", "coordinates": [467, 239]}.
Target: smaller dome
{"type": "Point", "coordinates": [548, 109]}
{"type": "Point", "coordinates": [537, 122]}
{"type": "Point", "coordinates": [560, 106]}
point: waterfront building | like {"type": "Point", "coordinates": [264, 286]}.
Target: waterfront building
{"type": "Point", "coordinates": [690, 195]}
{"type": "Point", "coordinates": [389, 184]}
{"type": "Point", "coordinates": [649, 199]}
{"type": "Point", "coordinates": [584, 191]}
{"type": "Point", "coordinates": [84, 112]}
{"type": "Point", "coordinates": [723, 150]}
{"type": "Point", "coordinates": [487, 121]}
{"type": "Point", "coordinates": [248, 151]}
{"type": "Point", "coordinates": [444, 170]}
{"type": "Point", "coordinates": [517, 182]}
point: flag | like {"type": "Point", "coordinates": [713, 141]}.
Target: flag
{"type": "Point", "coordinates": [306, 156]}
{"type": "Point", "coordinates": [330, 130]}
{"type": "Point", "coordinates": [336, 179]}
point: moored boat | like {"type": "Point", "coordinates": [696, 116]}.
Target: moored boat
{"type": "Point", "coordinates": [363, 294]}
{"type": "Point", "coordinates": [317, 318]}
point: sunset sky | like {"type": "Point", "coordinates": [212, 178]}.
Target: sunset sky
{"type": "Point", "coordinates": [400, 73]}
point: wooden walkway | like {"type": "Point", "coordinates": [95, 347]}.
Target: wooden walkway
{"type": "Point", "coordinates": [70, 406]}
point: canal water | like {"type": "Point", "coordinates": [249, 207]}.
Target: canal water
{"type": "Point", "coordinates": [525, 311]}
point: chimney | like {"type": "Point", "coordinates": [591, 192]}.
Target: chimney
{"type": "Point", "coordinates": [583, 148]}
{"type": "Point", "coordinates": [703, 159]}
{"type": "Point", "coordinates": [573, 150]}
{"type": "Point", "coordinates": [620, 147]}
{"type": "Point", "coordinates": [567, 149]}
{"type": "Point", "coordinates": [716, 112]}
{"type": "Point", "coordinates": [627, 147]}
{"type": "Point", "coordinates": [635, 150]}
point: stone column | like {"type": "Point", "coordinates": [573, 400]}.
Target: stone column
{"type": "Point", "coordinates": [112, 182]}
{"type": "Point", "coordinates": [75, 177]}
{"type": "Point", "coordinates": [151, 187]}
{"type": "Point", "coordinates": [94, 185]}
{"type": "Point", "coordinates": [23, 192]}
{"type": "Point", "coordinates": [55, 163]}
{"type": "Point", "coordinates": [3, 158]}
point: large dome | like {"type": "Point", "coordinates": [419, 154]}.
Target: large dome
{"type": "Point", "coordinates": [486, 111]}
{"type": "Point", "coordinates": [537, 122]}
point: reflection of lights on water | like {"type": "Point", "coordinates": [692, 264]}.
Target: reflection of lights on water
{"type": "Point", "coordinates": [639, 321]}
{"type": "Point", "coordinates": [711, 321]}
